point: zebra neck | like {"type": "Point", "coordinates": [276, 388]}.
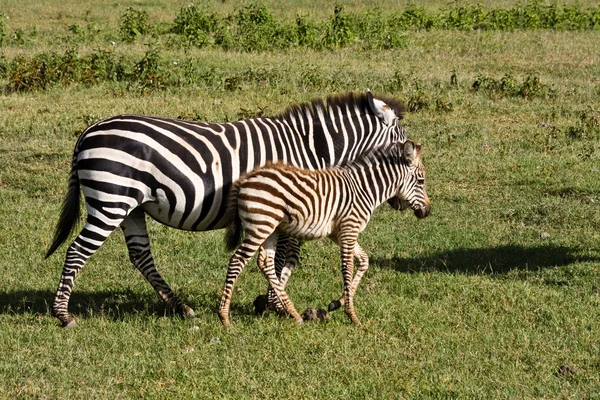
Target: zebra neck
{"type": "Point", "coordinates": [332, 136]}
{"type": "Point", "coordinates": [375, 181]}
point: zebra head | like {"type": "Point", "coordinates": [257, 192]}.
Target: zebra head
{"type": "Point", "coordinates": [411, 192]}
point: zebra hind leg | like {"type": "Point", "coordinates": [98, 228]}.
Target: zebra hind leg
{"type": "Point", "coordinates": [286, 258]}
{"type": "Point", "coordinates": [138, 246]}
{"type": "Point", "coordinates": [267, 265]}
{"type": "Point", "coordinates": [238, 261]}
{"type": "Point", "coordinates": [89, 240]}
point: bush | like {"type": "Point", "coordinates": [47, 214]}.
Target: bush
{"type": "Point", "coordinates": [3, 35]}
{"type": "Point", "coordinates": [338, 32]}
{"type": "Point", "coordinates": [133, 23]}
{"type": "Point", "coordinates": [147, 71]}
{"type": "Point", "coordinates": [196, 24]}
{"type": "Point", "coordinates": [507, 86]}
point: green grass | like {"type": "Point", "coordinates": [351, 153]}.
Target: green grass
{"type": "Point", "coordinates": [471, 302]}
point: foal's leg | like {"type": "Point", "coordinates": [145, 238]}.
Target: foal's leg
{"type": "Point", "coordinates": [269, 301]}
{"type": "Point", "coordinates": [267, 265]}
{"type": "Point", "coordinates": [347, 248]}
{"type": "Point", "coordinates": [238, 261]}
{"type": "Point", "coordinates": [138, 245]}
{"type": "Point", "coordinates": [286, 259]}
{"type": "Point", "coordinates": [363, 265]}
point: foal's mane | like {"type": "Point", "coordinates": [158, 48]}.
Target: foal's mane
{"type": "Point", "coordinates": [353, 100]}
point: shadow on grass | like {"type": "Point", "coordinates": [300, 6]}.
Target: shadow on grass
{"type": "Point", "coordinates": [495, 260]}
{"type": "Point", "coordinates": [117, 304]}
{"type": "Point", "coordinates": [111, 304]}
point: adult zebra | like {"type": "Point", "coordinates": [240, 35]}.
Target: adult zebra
{"type": "Point", "coordinates": [179, 172]}
{"type": "Point", "coordinates": [336, 202]}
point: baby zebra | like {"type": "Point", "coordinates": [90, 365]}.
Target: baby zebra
{"type": "Point", "coordinates": [336, 202]}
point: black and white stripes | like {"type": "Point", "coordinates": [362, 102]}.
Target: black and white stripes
{"type": "Point", "coordinates": [336, 202]}
{"type": "Point", "coordinates": [180, 172]}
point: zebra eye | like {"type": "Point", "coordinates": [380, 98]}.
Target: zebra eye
{"type": "Point", "coordinates": [421, 181]}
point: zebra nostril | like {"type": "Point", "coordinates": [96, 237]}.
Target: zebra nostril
{"type": "Point", "coordinates": [423, 211]}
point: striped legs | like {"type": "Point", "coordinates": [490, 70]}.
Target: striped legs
{"type": "Point", "coordinates": [351, 284]}
{"type": "Point", "coordinates": [138, 246]}
{"type": "Point", "coordinates": [91, 237]}
{"type": "Point", "coordinates": [237, 263]}
{"type": "Point", "coordinates": [276, 284]}
{"type": "Point", "coordinates": [286, 259]}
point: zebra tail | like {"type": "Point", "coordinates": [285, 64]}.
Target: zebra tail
{"type": "Point", "coordinates": [233, 236]}
{"type": "Point", "coordinates": [69, 215]}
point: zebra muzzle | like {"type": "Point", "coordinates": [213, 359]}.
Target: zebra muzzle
{"type": "Point", "coordinates": [423, 212]}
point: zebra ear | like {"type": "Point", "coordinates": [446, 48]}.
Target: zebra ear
{"type": "Point", "coordinates": [409, 152]}
{"type": "Point", "coordinates": [381, 110]}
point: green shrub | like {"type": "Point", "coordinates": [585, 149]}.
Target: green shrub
{"type": "Point", "coordinates": [196, 24]}
{"type": "Point", "coordinates": [133, 23]}
{"type": "Point", "coordinates": [338, 32]}
{"type": "Point", "coordinates": [255, 28]}
{"type": "Point", "coordinates": [374, 31]}
{"type": "Point", "coordinates": [413, 18]}
{"type": "Point", "coordinates": [3, 34]}
{"type": "Point", "coordinates": [307, 32]}
{"type": "Point", "coordinates": [508, 86]}
{"type": "Point", "coordinates": [147, 72]}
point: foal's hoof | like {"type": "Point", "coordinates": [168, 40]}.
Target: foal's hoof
{"type": "Point", "coordinates": [260, 304]}
{"type": "Point", "coordinates": [315, 314]}
{"type": "Point", "coordinates": [334, 305]}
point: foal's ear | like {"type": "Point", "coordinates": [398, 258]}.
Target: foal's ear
{"type": "Point", "coordinates": [381, 110]}
{"type": "Point", "coordinates": [410, 151]}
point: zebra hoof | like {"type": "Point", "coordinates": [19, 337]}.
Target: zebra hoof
{"type": "Point", "coordinates": [70, 324]}
{"type": "Point", "coordinates": [260, 304]}
{"type": "Point", "coordinates": [334, 305]}
{"type": "Point", "coordinates": [188, 312]}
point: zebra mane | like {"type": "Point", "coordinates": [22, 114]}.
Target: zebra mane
{"type": "Point", "coordinates": [357, 100]}
{"type": "Point", "coordinates": [390, 152]}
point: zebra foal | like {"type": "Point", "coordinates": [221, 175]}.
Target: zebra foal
{"type": "Point", "coordinates": [336, 202]}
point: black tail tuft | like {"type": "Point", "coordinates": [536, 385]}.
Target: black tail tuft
{"type": "Point", "coordinates": [68, 216]}
{"type": "Point", "coordinates": [233, 236]}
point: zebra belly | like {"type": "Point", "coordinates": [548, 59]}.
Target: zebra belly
{"type": "Point", "coordinates": [306, 231]}
{"type": "Point", "coordinates": [172, 215]}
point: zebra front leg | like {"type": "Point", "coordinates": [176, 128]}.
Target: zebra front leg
{"type": "Point", "coordinates": [238, 261]}
{"type": "Point", "coordinates": [347, 249]}
{"type": "Point", "coordinates": [267, 265]}
{"type": "Point", "coordinates": [91, 237]}
{"type": "Point", "coordinates": [138, 246]}
{"type": "Point", "coordinates": [363, 260]}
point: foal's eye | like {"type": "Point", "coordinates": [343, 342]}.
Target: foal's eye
{"type": "Point", "coordinates": [421, 181]}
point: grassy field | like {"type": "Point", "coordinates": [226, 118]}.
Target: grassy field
{"type": "Point", "coordinates": [486, 298]}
